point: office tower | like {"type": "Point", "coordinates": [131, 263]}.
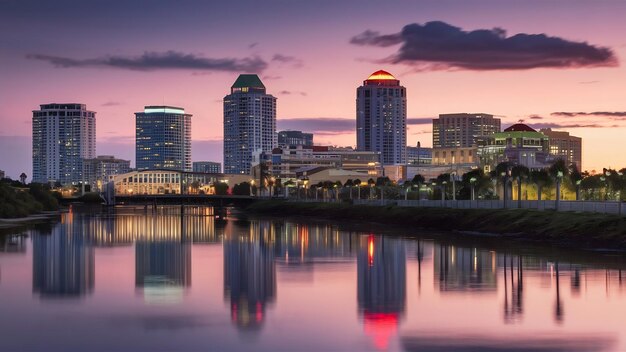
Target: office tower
{"type": "Point", "coordinates": [381, 117]}
{"type": "Point", "coordinates": [286, 138]}
{"type": "Point", "coordinates": [249, 124]}
{"type": "Point", "coordinates": [207, 167]}
{"type": "Point", "coordinates": [462, 130]}
{"type": "Point", "coordinates": [163, 138]}
{"type": "Point", "coordinates": [63, 135]}
{"type": "Point", "coordinates": [564, 146]}
{"type": "Point", "coordinates": [98, 171]}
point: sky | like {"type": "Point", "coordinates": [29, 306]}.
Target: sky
{"type": "Point", "coordinates": [549, 63]}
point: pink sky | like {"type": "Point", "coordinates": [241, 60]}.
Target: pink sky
{"type": "Point", "coordinates": [321, 78]}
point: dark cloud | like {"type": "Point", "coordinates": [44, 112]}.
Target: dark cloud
{"type": "Point", "coordinates": [150, 61]}
{"type": "Point", "coordinates": [287, 60]}
{"type": "Point", "coordinates": [535, 117]}
{"type": "Point", "coordinates": [419, 120]}
{"type": "Point", "coordinates": [269, 77]}
{"type": "Point", "coordinates": [567, 125]}
{"type": "Point", "coordinates": [589, 82]}
{"type": "Point", "coordinates": [438, 45]}
{"type": "Point", "coordinates": [288, 92]}
{"type": "Point", "coordinates": [253, 45]}
{"type": "Point", "coordinates": [595, 113]}
{"type": "Point", "coordinates": [333, 125]}
{"type": "Point", "coordinates": [318, 124]}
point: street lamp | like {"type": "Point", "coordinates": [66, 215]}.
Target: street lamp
{"type": "Point", "coordinates": [251, 187]}
{"type": "Point", "coordinates": [472, 182]}
{"type": "Point", "coordinates": [306, 189]}
{"type": "Point", "coordinates": [559, 177]}
{"type": "Point", "coordinates": [443, 190]}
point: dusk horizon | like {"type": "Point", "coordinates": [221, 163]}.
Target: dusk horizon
{"type": "Point", "coordinates": [556, 69]}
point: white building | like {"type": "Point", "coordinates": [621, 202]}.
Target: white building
{"type": "Point", "coordinates": [381, 117]}
{"type": "Point", "coordinates": [249, 124]}
{"type": "Point", "coordinates": [63, 135]}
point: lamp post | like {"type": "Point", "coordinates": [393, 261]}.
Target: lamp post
{"type": "Point", "coordinates": [443, 191]}
{"type": "Point", "coordinates": [578, 189]}
{"type": "Point", "coordinates": [559, 177]}
{"type": "Point", "coordinates": [251, 187]}
{"type": "Point", "coordinates": [503, 174]}
{"type": "Point", "coordinates": [472, 183]}
{"type": "Point", "coordinates": [306, 189]}
{"type": "Point", "coordinates": [434, 186]}
{"type": "Point", "coordinates": [453, 179]}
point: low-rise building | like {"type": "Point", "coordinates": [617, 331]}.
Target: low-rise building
{"type": "Point", "coordinates": [565, 146]}
{"type": "Point", "coordinates": [154, 182]}
{"type": "Point", "coordinates": [419, 155]}
{"type": "Point", "coordinates": [2, 175]}
{"type": "Point", "coordinates": [100, 170]}
{"type": "Point", "coordinates": [294, 138]}
{"type": "Point", "coordinates": [519, 145]}
{"type": "Point", "coordinates": [453, 156]}
{"type": "Point", "coordinates": [207, 167]}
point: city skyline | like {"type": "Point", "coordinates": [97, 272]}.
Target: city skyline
{"type": "Point", "coordinates": [315, 89]}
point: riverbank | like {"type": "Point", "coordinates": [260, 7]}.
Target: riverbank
{"type": "Point", "coordinates": [577, 230]}
{"type": "Point", "coordinates": [34, 218]}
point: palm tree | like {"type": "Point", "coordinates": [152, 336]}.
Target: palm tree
{"type": "Point", "coordinates": [519, 173]}
{"type": "Point", "coordinates": [349, 183]}
{"type": "Point", "coordinates": [558, 170]}
{"type": "Point", "coordinates": [575, 178]}
{"type": "Point", "coordinates": [418, 180]}
{"type": "Point", "coordinates": [23, 178]}
{"type": "Point", "coordinates": [541, 179]}
{"type": "Point", "coordinates": [371, 183]}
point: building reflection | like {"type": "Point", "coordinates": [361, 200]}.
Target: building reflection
{"type": "Point", "coordinates": [123, 226]}
{"type": "Point", "coordinates": [162, 259]}
{"type": "Point", "coordinates": [63, 260]}
{"type": "Point", "coordinates": [381, 286]}
{"type": "Point", "coordinates": [299, 247]}
{"type": "Point", "coordinates": [249, 272]}
{"type": "Point", "coordinates": [464, 269]}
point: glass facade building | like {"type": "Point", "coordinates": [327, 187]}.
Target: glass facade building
{"type": "Point", "coordinates": [163, 138]}
{"type": "Point", "coordinates": [249, 124]}
{"type": "Point", "coordinates": [63, 135]}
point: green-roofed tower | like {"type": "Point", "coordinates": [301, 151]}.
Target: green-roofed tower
{"type": "Point", "coordinates": [249, 124]}
{"type": "Point", "coordinates": [248, 83]}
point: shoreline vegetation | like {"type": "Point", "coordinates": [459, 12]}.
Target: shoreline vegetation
{"type": "Point", "coordinates": [25, 202]}
{"type": "Point", "coordinates": [564, 229]}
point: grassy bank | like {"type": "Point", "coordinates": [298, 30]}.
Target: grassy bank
{"type": "Point", "coordinates": [588, 230]}
{"type": "Point", "coordinates": [18, 202]}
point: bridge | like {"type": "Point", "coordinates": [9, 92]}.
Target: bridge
{"type": "Point", "coordinates": [183, 199]}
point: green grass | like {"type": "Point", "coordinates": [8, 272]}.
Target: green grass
{"type": "Point", "coordinates": [563, 228]}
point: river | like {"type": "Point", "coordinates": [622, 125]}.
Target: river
{"type": "Point", "coordinates": [130, 279]}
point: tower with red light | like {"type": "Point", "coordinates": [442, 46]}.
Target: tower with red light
{"type": "Point", "coordinates": [381, 117]}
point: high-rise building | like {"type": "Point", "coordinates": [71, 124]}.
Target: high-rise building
{"type": "Point", "coordinates": [287, 138]}
{"type": "Point", "coordinates": [63, 135]}
{"type": "Point", "coordinates": [249, 124]}
{"type": "Point", "coordinates": [98, 171]}
{"type": "Point", "coordinates": [381, 117]}
{"type": "Point", "coordinates": [163, 138]}
{"type": "Point", "coordinates": [207, 167]}
{"type": "Point", "coordinates": [462, 130]}
{"type": "Point", "coordinates": [419, 155]}
{"type": "Point", "coordinates": [564, 146]}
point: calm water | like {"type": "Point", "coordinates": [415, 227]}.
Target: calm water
{"type": "Point", "coordinates": [130, 280]}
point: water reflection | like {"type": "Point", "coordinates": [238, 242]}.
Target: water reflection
{"type": "Point", "coordinates": [249, 273]}
{"type": "Point", "coordinates": [63, 261]}
{"type": "Point", "coordinates": [424, 294]}
{"type": "Point", "coordinates": [464, 269]}
{"type": "Point", "coordinates": [381, 286]}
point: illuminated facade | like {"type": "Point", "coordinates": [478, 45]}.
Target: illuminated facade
{"type": "Point", "coordinates": [154, 182]}
{"type": "Point", "coordinates": [163, 138]}
{"type": "Point", "coordinates": [381, 117]}
{"type": "Point", "coordinates": [100, 170]}
{"type": "Point", "coordinates": [63, 135]}
{"type": "Point", "coordinates": [249, 124]}
{"type": "Point", "coordinates": [419, 155]}
{"type": "Point", "coordinates": [462, 130]}
{"type": "Point", "coordinates": [518, 145]}
{"type": "Point", "coordinates": [565, 146]}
